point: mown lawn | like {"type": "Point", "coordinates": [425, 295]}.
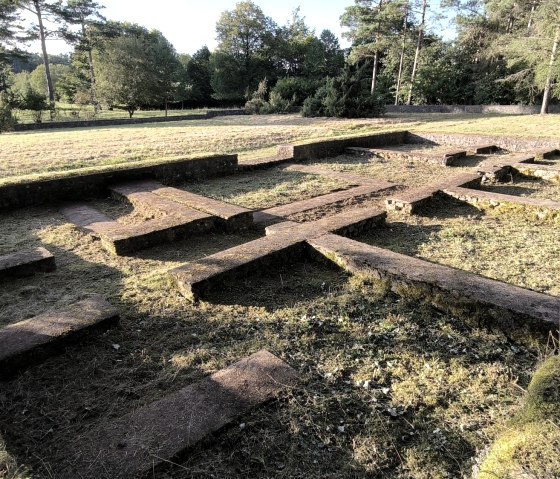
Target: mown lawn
{"type": "Point", "coordinates": [250, 136]}
{"type": "Point", "coordinates": [390, 387]}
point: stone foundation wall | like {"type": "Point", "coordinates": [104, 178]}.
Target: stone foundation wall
{"type": "Point", "coordinates": [474, 109]}
{"type": "Point", "coordinates": [328, 148]}
{"type": "Point", "coordinates": [124, 121]}
{"type": "Point", "coordinates": [94, 182]}
{"type": "Point", "coordinates": [510, 143]}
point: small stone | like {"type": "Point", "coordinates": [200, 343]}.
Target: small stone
{"type": "Point", "coordinates": [116, 347]}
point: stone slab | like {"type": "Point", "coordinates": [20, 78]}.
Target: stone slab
{"type": "Point", "coordinates": [159, 432]}
{"type": "Point", "coordinates": [86, 183]}
{"type": "Point", "coordinates": [32, 340]}
{"type": "Point", "coordinates": [284, 211]}
{"type": "Point", "coordinates": [409, 201]}
{"type": "Point", "coordinates": [546, 172]}
{"type": "Point", "coordinates": [235, 217]}
{"type": "Point", "coordinates": [485, 149]}
{"type": "Point", "coordinates": [88, 218]}
{"type": "Point", "coordinates": [122, 239]}
{"type": "Point", "coordinates": [543, 208]}
{"type": "Point", "coordinates": [195, 279]}
{"type": "Point", "coordinates": [26, 263]}
{"type": "Point", "coordinates": [546, 153]}
{"type": "Point", "coordinates": [437, 281]}
{"type": "Point", "coordinates": [173, 201]}
{"type": "Point", "coordinates": [445, 159]}
{"type": "Point", "coordinates": [126, 239]}
{"type": "Point", "coordinates": [349, 222]}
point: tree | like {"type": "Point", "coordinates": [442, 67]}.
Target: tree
{"type": "Point", "coordinates": [41, 9]}
{"type": "Point", "coordinates": [334, 57]}
{"type": "Point", "coordinates": [245, 38]}
{"type": "Point", "coordinates": [198, 77]}
{"type": "Point", "coordinates": [418, 48]}
{"type": "Point", "coordinates": [136, 68]}
{"type": "Point", "coordinates": [372, 27]}
{"type": "Point", "coordinates": [86, 15]}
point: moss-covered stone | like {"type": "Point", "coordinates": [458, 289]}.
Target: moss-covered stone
{"type": "Point", "coordinates": [529, 449]}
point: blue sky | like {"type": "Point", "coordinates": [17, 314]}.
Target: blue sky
{"type": "Point", "coordinates": [191, 24]}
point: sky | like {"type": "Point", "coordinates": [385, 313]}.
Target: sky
{"type": "Point", "coordinates": [189, 24]}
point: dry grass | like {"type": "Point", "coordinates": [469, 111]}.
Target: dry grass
{"type": "Point", "coordinates": [265, 189]}
{"type": "Point", "coordinates": [24, 153]}
{"type": "Point", "coordinates": [251, 136]}
{"type": "Point", "coordinates": [517, 250]}
{"type": "Point", "coordinates": [389, 388]}
{"type": "Point", "coordinates": [527, 187]}
{"type": "Point", "coordinates": [402, 172]}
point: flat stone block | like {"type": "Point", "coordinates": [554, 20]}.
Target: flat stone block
{"type": "Point", "coordinates": [233, 216]}
{"type": "Point", "coordinates": [88, 218]}
{"type": "Point", "coordinates": [485, 149]}
{"type": "Point", "coordinates": [349, 222]}
{"type": "Point", "coordinates": [197, 278]}
{"type": "Point", "coordinates": [324, 200]}
{"type": "Point", "coordinates": [32, 340]}
{"type": "Point", "coordinates": [124, 239]}
{"type": "Point", "coordinates": [158, 433]}
{"type": "Point", "coordinates": [26, 263]}
{"type": "Point", "coordinates": [542, 207]}
{"type": "Point", "coordinates": [439, 281]}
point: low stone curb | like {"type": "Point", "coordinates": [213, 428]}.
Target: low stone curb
{"type": "Point", "coordinates": [26, 263]}
{"type": "Point", "coordinates": [33, 340]}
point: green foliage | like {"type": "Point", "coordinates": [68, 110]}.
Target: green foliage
{"type": "Point", "coordinates": [295, 89]}
{"type": "Point", "coordinates": [261, 102]}
{"type": "Point", "coordinates": [7, 120]}
{"type": "Point", "coordinates": [136, 68]}
{"type": "Point", "coordinates": [34, 101]}
{"type": "Point", "coordinates": [346, 96]}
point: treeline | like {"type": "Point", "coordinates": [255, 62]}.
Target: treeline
{"type": "Point", "coordinates": [506, 52]}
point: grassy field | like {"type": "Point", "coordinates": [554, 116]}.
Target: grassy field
{"type": "Point", "coordinates": [391, 388]}
{"type": "Point", "coordinates": [250, 136]}
{"type": "Point", "coordinates": [68, 112]}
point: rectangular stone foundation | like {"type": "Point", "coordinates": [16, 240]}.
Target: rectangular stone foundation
{"type": "Point", "coordinates": [26, 263]}
{"type": "Point", "coordinates": [545, 172]}
{"type": "Point", "coordinates": [541, 208]}
{"type": "Point", "coordinates": [444, 286]}
{"type": "Point", "coordinates": [159, 432]}
{"type": "Point", "coordinates": [29, 342]}
{"type": "Point", "coordinates": [446, 159]}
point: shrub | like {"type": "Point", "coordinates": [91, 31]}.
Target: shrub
{"type": "Point", "coordinates": [258, 103]}
{"type": "Point", "coordinates": [295, 89]}
{"type": "Point", "coordinates": [7, 120]}
{"type": "Point", "coordinates": [343, 97]}
{"type": "Point", "coordinates": [36, 102]}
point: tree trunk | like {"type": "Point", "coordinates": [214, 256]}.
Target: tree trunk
{"type": "Point", "coordinates": [93, 84]}
{"type": "Point", "coordinates": [50, 88]}
{"type": "Point", "coordinates": [166, 108]}
{"type": "Point", "coordinates": [548, 84]}
{"type": "Point", "coordinates": [401, 63]}
{"type": "Point", "coordinates": [418, 48]}
{"type": "Point", "coordinates": [374, 73]}
{"type": "Point", "coordinates": [376, 54]}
